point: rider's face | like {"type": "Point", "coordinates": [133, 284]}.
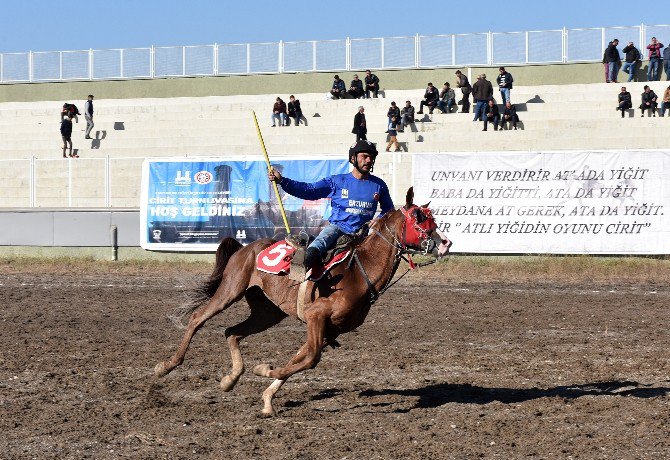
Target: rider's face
{"type": "Point", "coordinates": [364, 161]}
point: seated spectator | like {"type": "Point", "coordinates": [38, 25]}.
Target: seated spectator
{"type": "Point", "coordinates": [509, 116]}
{"type": "Point", "coordinates": [447, 99]}
{"type": "Point", "coordinates": [69, 109]}
{"type": "Point", "coordinates": [393, 111]}
{"type": "Point", "coordinates": [406, 115]}
{"type": "Point", "coordinates": [625, 101]}
{"type": "Point", "coordinates": [279, 112]}
{"type": "Point", "coordinates": [393, 133]}
{"type": "Point", "coordinates": [430, 98]}
{"type": "Point", "coordinates": [294, 110]}
{"type": "Point", "coordinates": [666, 101]}
{"type": "Point", "coordinates": [649, 101]}
{"type": "Point", "coordinates": [338, 90]}
{"type": "Point", "coordinates": [356, 88]}
{"type": "Point", "coordinates": [491, 115]}
{"type": "Point", "coordinates": [371, 84]}
{"type": "Point", "coordinates": [632, 57]}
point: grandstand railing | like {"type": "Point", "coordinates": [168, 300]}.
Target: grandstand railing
{"type": "Point", "coordinates": [350, 54]}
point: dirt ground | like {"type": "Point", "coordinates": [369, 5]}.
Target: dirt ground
{"type": "Point", "coordinates": [531, 368]}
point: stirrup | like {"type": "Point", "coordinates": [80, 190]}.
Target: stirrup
{"type": "Point", "coordinates": [298, 270]}
{"type": "Point", "coordinates": [298, 241]}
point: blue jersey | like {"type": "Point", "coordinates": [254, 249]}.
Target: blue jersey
{"type": "Point", "coordinates": [353, 201]}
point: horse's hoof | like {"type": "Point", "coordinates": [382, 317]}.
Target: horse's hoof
{"type": "Point", "coordinates": [267, 413]}
{"type": "Point", "coordinates": [227, 383]}
{"type": "Point", "coordinates": [263, 370]}
{"type": "Point", "coordinates": [159, 370]}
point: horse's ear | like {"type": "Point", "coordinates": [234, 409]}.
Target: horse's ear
{"type": "Point", "coordinates": [409, 198]}
{"type": "Point", "coordinates": [425, 205]}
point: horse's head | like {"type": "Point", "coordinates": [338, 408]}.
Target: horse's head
{"type": "Point", "coordinates": [417, 229]}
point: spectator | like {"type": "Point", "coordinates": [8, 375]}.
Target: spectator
{"type": "Point", "coordinates": [430, 98]}
{"type": "Point", "coordinates": [504, 81]}
{"type": "Point", "coordinates": [294, 110]}
{"type": "Point", "coordinates": [666, 101]}
{"type": "Point", "coordinates": [70, 109]}
{"type": "Point", "coordinates": [654, 48]}
{"type": "Point", "coordinates": [613, 61]}
{"type": "Point", "coordinates": [338, 90]}
{"type": "Point", "coordinates": [482, 91]}
{"type": "Point", "coordinates": [360, 128]}
{"type": "Point", "coordinates": [509, 116]}
{"type": "Point", "coordinates": [393, 133]}
{"type": "Point", "coordinates": [279, 112]}
{"type": "Point", "coordinates": [356, 88]}
{"type": "Point", "coordinates": [649, 101]}
{"type": "Point", "coordinates": [492, 115]}
{"type": "Point", "coordinates": [88, 114]}
{"type": "Point", "coordinates": [666, 62]}
{"type": "Point", "coordinates": [393, 111]}
{"type": "Point", "coordinates": [606, 64]}
{"type": "Point", "coordinates": [625, 101]}
{"type": "Point", "coordinates": [371, 84]}
{"type": "Point", "coordinates": [66, 134]}
{"type": "Point", "coordinates": [447, 98]}
{"type": "Point", "coordinates": [463, 83]}
{"type": "Point", "coordinates": [406, 115]}
{"type": "Point", "coordinates": [632, 57]}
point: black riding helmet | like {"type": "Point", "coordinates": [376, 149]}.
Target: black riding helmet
{"type": "Point", "coordinates": [362, 146]}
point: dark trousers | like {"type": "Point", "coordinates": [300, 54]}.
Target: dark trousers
{"type": "Point", "coordinates": [430, 104]}
{"type": "Point", "coordinates": [623, 106]}
{"type": "Point", "coordinates": [374, 92]}
{"type": "Point", "coordinates": [495, 120]}
{"type": "Point", "coordinates": [361, 134]}
{"type": "Point", "coordinates": [513, 120]}
{"type": "Point", "coordinates": [356, 93]}
{"type": "Point", "coordinates": [338, 94]}
{"type": "Point", "coordinates": [465, 102]}
{"type": "Point", "coordinates": [651, 107]}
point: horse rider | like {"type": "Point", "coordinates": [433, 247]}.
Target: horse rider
{"type": "Point", "coordinates": [353, 198]}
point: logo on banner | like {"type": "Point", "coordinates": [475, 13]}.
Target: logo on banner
{"type": "Point", "coordinates": [203, 177]}
{"type": "Point", "coordinates": [241, 235]}
{"type": "Point", "coordinates": [183, 178]}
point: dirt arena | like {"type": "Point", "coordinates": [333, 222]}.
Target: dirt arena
{"type": "Point", "coordinates": [476, 364]}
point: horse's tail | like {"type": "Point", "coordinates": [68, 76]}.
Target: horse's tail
{"type": "Point", "coordinates": [227, 248]}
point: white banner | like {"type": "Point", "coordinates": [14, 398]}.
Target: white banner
{"type": "Point", "coordinates": [610, 202]}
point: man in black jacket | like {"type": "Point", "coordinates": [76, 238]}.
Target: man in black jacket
{"type": "Point", "coordinates": [625, 101]}
{"type": "Point", "coordinates": [294, 110]}
{"type": "Point", "coordinates": [371, 84]}
{"type": "Point", "coordinates": [613, 61]}
{"type": "Point", "coordinates": [463, 83]}
{"type": "Point", "coordinates": [649, 100]}
{"type": "Point", "coordinates": [482, 91]}
{"type": "Point", "coordinates": [66, 134]}
{"type": "Point", "coordinates": [504, 81]}
{"type": "Point", "coordinates": [338, 90]}
{"type": "Point", "coordinates": [360, 129]}
{"type": "Point", "coordinates": [393, 111]}
{"type": "Point", "coordinates": [632, 56]}
{"type": "Point", "coordinates": [492, 115]}
{"type": "Point", "coordinates": [430, 98]}
{"type": "Point", "coordinates": [356, 88]}
{"type": "Point", "coordinates": [509, 116]}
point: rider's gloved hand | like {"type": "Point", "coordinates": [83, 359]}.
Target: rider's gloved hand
{"type": "Point", "coordinates": [274, 176]}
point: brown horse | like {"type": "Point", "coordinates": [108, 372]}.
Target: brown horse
{"type": "Point", "coordinates": [335, 305]}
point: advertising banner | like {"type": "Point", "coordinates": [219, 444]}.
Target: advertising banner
{"type": "Point", "coordinates": [191, 204]}
{"type": "Point", "coordinates": [613, 202]}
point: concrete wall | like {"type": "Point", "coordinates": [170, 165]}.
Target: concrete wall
{"type": "Point", "coordinates": [299, 83]}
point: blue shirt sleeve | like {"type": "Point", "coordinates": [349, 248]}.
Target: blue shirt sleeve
{"type": "Point", "coordinates": [306, 191]}
{"type": "Point", "coordinates": [385, 201]}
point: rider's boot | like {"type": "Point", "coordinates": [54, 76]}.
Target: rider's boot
{"type": "Point", "coordinates": [303, 260]}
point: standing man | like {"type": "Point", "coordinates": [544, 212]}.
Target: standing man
{"type": "Point", "coordinates": [371, 84]}
{"type": "Point", "coordinates": [612, 59]}
{"type": "Point", "coordinates": [666, 62]}
{"type": "Point", "coordinates": [463, 83]}
{"type": "Point", "coordinates": [88, 114]}
{"type": "Point", "coordinates": [360, 128]}
{"type": "Point", "coordinates": [66, 134]}
{"type": "Point", "coordinates": [654, 48]}
{"type": "Point", "coordinates": [632, 56]}
{"type": "Point", "coordinates": [482, 91]}
{"type": "Point", "coordinates": [354, 198]}
{"type": "Point", "coordinates": [504, 81]}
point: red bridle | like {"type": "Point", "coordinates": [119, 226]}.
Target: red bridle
{"type": "Point", "coordinates": [414, 233]}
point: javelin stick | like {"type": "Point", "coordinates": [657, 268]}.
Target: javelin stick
{"type": "Point", "coordinates": [274, 184]}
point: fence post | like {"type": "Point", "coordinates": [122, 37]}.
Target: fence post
{"type": "Point", "coordinates": [314, 55]}
{"type": "Point", "coordinates": [453, 49]}
{"type": "Point", "coordinates": [417, 51]}
{"type": "Point", "coordinates": [602, 39]}
{"type": "Point", "coordinates": [215, 56]}
{"type": "Point", "coordinates": [526, 47]}
{"type": "Point", "coordinates": [31, 176]}
{"type": "Point", "coordinates": [489, 47]}
{"type": "Point", "coordinates": [2, 67]}
{"type": "Point", "coordinates": [121, 62]}
{"type": "Point", "coordinates": [60, 65]}
{"type": "Point", "coordinates": [30, 66]}
{"type": "Point", "coordinates": [108, 198]}
{"type": "Point", "coordinates": [69, 183]}
{"type": "Point", "coordinates": [183, 61]}
{"type": "Point", "coordinates": [248, 57]}
{"type": "Point", "coordinates": [382, 52]}
{"type": "Point", "coordinates": [90, 63]}
{"type": "Point", "coordinates": [348, 54]}
{"type": "Point", "coordinates": [280, 56]}
{"type": "Point", "coordinates": [152, 62]}
{"type": "Point", "coordinates": [643, 35]}
{"type": "Point", "coordinates": [564, 45]}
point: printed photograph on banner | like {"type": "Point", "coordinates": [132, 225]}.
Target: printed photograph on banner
{"type": "Point", "coordinates": [611, 202]}
{"type": "Point", "coordinates": [190, 205]}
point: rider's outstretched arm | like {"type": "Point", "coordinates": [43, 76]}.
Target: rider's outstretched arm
{"type": "Point", "coordinates": [307, 191]}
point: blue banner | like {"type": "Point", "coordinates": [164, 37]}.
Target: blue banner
{"type": "Point", "coordinates": [190, 205]}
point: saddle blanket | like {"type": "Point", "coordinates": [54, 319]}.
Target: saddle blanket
{"type": "Point", "coordinates": [276, 259]}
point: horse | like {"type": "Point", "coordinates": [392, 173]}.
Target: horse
{"type": "Point", "coordinates": [334, 305]}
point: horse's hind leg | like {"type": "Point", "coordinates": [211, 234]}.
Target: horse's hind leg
{"type": "Point", "coordinates": [264, 315]}
{"type": "Point", "coordinates": [215, 305]}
